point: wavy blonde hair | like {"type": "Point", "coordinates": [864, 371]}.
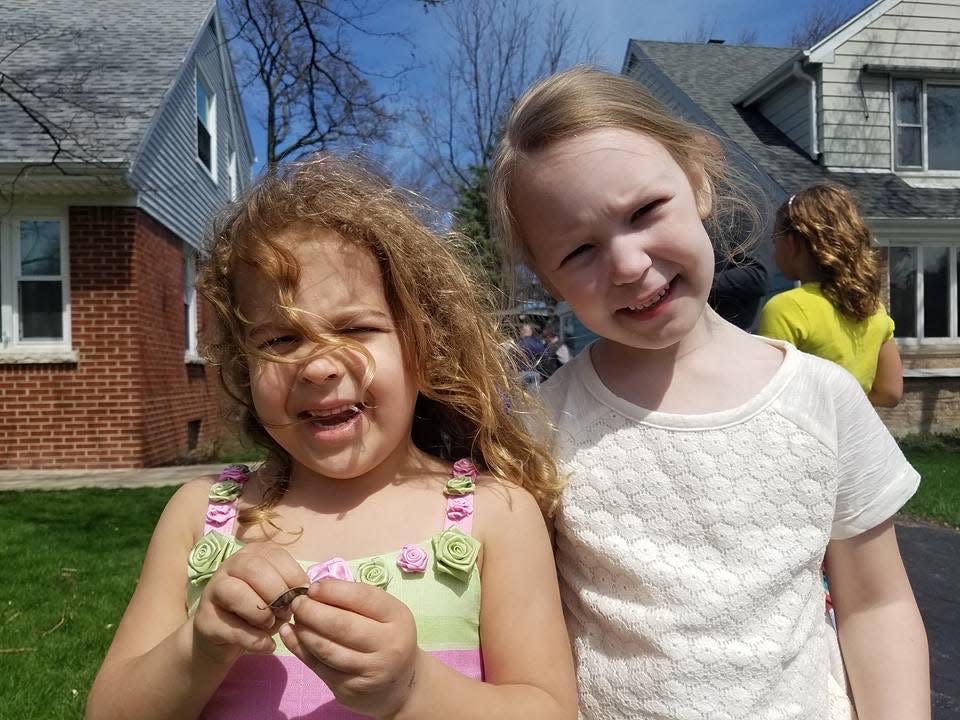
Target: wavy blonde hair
{"type": "Point", "coordinates": [584, 99]}
{"type": "Point", "coordinates": [471, 404]}
{"type": "Point", "coordinates": [825, 218]}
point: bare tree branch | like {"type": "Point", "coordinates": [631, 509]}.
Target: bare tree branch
{"type": "Point", "coordinates": [823, 18]}
{"type": "Point", "coordinates": [498, 48]}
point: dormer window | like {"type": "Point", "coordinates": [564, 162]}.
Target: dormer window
{"type": "Point", "coordinates": [926, 125]}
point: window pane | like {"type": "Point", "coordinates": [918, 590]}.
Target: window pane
{"type": "Point", "coordinates": [903, 290]}
{"type": "Point", "coordinates": [908, 101]}
{"type": "Point", "coordinates": [936, 292]}
{"type": "Point", "coordinates": [41, 310]}
{"type": "Point", "coordinates": [909, 147]}
{"type": "Point", "coordinates": [203, 104]}
{"type": "Point", "coordinates": [943, 127]}
{"type": "Point", "coordinates": [203, 144]}
{"type": "Point", "coordinates": [40, 247]}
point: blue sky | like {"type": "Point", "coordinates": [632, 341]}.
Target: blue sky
{"type": "Point", "coordinates": [607, 24]}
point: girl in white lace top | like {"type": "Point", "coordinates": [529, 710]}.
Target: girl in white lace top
{"type": "Point", "coordinates": [710, 471]}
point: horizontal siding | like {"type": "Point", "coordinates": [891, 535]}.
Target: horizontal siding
{"type": "Point", "coordinates": [929, 10]}
{"type": "Point", "coordinates": [174, 186]}
{"type": "Point", "coordinates": [834, 159]}
{"type": "Point", "coordinates": [856, 107]}
{"type": "Point", "coordinates": [789, 110]}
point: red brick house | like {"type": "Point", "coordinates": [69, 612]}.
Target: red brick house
{"type": "Point", "coordinates": [874, 106]}
{"type": "Point", "coordinates": [122, 134]}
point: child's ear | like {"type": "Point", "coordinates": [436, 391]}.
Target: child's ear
{"type": "Point", "coordinates": [699, 180]}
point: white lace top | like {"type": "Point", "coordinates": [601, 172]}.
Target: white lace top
{"type": "Point", "coordinates": [689, 546]}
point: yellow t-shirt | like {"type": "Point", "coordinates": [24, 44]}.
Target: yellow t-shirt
{"type": "Point", "coordinates": [804, 317]}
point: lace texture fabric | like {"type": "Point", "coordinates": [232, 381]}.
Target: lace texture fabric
{"type": "Point", "coordinates": [689, 547]}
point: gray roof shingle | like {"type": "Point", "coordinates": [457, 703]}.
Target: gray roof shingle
{"type": "Point", "coordinates": [713, 76]}
{"type": "Point", "coordinates": [95, 73]}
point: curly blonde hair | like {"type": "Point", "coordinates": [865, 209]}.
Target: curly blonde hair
{"type": "Point", "coordinates": [825, 218]}
{"type": "Point", "coordinates": [584, 99]}
{"type": "Point", "coordinates": [472, 403]}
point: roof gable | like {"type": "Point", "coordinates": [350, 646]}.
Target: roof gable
{"type": "Point", "coordinates": [823, 50]}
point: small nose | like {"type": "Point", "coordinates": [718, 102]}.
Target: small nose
{"type": "Point", "coordinates": [321, 368]}
{"type": "Point", "coordinates": [629, 261]}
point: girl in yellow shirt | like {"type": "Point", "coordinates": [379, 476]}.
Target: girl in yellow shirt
{"type": "Point", "coordinates": [820, 239]}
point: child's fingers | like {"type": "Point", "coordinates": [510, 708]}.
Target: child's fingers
{"type": "Point", "coordinates": [341, 626]}
{"type": "Point", "coordinates": [331, 661]}
{"type": "Point", "coordinates": [366, 600]}
{"type": "Point", "coordinates": [240, 597]}
{"type": "Point", "coordinates": [222, 628]}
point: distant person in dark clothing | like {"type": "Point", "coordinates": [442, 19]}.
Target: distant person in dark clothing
{"type": "Point", "coordinates": [556, 355]}
{"type": "Point", "coordinates": [531, 350]}
{"type": "Point", "coordinates": [739, 284]}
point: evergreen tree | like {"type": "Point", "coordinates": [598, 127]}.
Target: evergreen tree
{"type": "Point", "coordinates": [470, 219]}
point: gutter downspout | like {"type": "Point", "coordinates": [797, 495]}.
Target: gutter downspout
{"type": "Point", "coordinates": [797, 72]}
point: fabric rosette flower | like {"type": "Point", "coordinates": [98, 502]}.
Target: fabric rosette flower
{"type": "Point", "coordinates": [219, 514]}
{"type": "Point", "coordinates": [374, 572]}
{"type": "Point", "coordinates": [412, 559]}
{"type": "Point", "coordinates": [207, 555]}
{"type": "Point", "coordinates": [333, 569]}
{"type": "Point", "coordinates": [460, 507]}
{"type": "Point", "coordinates": [455, 553]}
{"type": "Point", "coordinates": [464, 467]}
{"type": "Point", "coordinates": [225, 491]}
{"type": "Point", "coordinates": [461, 485]}
{"type": "Point", "coordinates": [237, 473]}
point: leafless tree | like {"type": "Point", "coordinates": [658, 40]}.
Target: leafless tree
{"type": "Point", "coordinates": [823, 17]}
{"type": "Point", "coordinates": [298, 64]}
{"type": "Point", "coordinates": [706, 30]}
{"type": "Point", "coordinates": [497, 49]}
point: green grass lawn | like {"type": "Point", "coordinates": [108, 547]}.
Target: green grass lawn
{"type": "Point", "coordinates": [69, 562]}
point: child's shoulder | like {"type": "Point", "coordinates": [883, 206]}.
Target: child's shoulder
{"type": "Point", "coordinates": [501, 505]}
{"type": "Point", "coordinates": [188, 505]}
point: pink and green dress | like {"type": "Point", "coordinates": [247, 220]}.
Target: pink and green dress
{"type": "Point", "coordinates": [437, 578]}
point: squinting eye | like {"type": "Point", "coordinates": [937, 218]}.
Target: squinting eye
{"type": "Point", "coordinates": [576, 253]}
{"type": "Point", "coordinates": [640, 212]}
{"type": "Point", "coordinates": [278, 342]}
{"type": "Point", "coordinates": [360, 330]}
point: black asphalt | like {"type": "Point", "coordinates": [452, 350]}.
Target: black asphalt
{"type": "Point", "coordinates": [932, 558]}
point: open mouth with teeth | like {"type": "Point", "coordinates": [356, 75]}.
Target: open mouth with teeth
{"type": "Point", "coordinates": [654, 301]}
{"type": "Point", "coordinates": [332, 417]}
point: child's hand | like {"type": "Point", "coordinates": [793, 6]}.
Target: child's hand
{"type": "Point", "coordinates": [360, 640]}
{"type": "Point", "coordinates": [234, 614]}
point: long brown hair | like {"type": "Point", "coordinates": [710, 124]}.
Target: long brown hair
{"type": "Point", "coordinates": [471, 403]}
{"type": "Point", "coordinates": [825, 218]}
{"type": "Point", "coordinates": [584, 99]}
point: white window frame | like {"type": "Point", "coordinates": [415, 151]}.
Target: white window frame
{"type": "Point", "coordinates": [211, 125]}
{"type": "Point", "coordinates": [232, 177]}
{"type": "Point", "coordinates": [192, 320]}
{"type": "Point", "coordinates": [924, 167]}
{"type": "Point", "coordinates": [920, 338]}
{"type": "Point", "coordinates": [13, 348]}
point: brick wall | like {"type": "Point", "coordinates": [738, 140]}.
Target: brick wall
{"type": "Point", "coordinates": [174, 393]}
{"type": "Point", "coordinates": [127, 400]}
{"type": "Point", "coordinates": [929, 404]}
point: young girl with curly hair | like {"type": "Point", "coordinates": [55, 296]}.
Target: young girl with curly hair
{"type": "Point", "coordinates": [820, 239]}
{"type": "Point", "coordinates": [389, 559]}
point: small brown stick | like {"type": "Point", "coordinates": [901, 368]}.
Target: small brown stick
{"type": "Point", "coordinates": [17, 650]}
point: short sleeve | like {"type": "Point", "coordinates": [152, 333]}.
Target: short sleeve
{"type": "Point", "coordinates": [875, 479]}
{"type": "Point", "coordinates": [782, 319]}
{"type": "Point", "coordinates": [888, 327]}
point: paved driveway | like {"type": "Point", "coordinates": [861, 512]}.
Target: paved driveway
{"type": "Point", "coordinates": [932, 557]}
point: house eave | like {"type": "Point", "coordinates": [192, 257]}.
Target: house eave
{"type": "Point", "coordinates": [770, 83]}
{"type": "Point", "coordinates": [77, 179]}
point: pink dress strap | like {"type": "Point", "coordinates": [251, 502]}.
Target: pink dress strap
{"type": "Point", "coordinates": [224, 500]}
{"type": "Point", "coordinates": [460, 491]}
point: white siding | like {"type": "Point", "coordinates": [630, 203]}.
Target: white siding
{"type": "Point", "coordinates": [789, 109]}
{"type": "Point", "coordinates": [174, 186]}
{"type": "Point", "coordinates": [855, 107]}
